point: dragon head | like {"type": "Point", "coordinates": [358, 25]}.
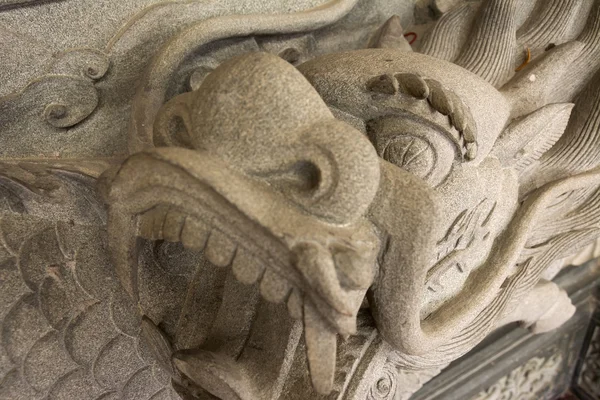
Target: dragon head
{"type": "Point", "coordinates": [376, 174]}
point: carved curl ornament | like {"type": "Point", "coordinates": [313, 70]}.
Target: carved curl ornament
{"type": "Point", "coordinates": [398, 205]}
{"type": "Point", "coordinates": [527, 382]}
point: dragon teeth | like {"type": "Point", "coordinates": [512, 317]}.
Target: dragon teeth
{"type": "Point", "coordinates": [246, 268]}
{"type": "Point", "coordinates": [274, 288]}
{"type": "Point", "coordinates": [194, 234]}
{"type": "Point", "coordinates": [294, 304]}
{"type": "Point", "coordinates": [321, 348]}
{"type": "Point", "coordinates": [151, 223]}
{"type": "Point", "coordinates": [146, 226]}
{"type": "Point", "coordinates": [220, 250]}
{"type": "Point", "coordinates": [173, 225]}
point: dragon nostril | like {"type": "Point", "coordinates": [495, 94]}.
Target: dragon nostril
{"type": "Point", "coordinates": [309, 174]}
{"type": "Point", "coordinates": [301, 178]}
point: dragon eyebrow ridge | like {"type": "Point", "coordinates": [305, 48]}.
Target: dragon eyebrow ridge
{"type": "Point", "coordinates": [439, 98]}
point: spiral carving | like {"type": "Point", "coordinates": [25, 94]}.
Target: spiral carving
{"type": "Point", "coordinates": [384, 387]}
{"type": "Point", "coordinates": [86, 63]}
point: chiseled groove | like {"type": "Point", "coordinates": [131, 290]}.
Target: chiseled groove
{"type": "Point", "coordinates": [364, 340]}
{"type": "Point", "coordinates": [532, 271]}
{"type": "Point", "coordinates": [590, 156]}
{"type": "Point", "coordinates": [131, 377]}
{"type": "Point", "coordinates": [462, 343]}
{"type": "Point", "coordinates": [27, 379]}
{"type": "Point", "coordinates": [490, 49]}
{"type": "Point", "coordinates": [577, 150]}
{"type": "Point", "coordinates": [579, 197]}
{"type": "Point", "coordinates": [483, 323]}
{"type": "Point", "coordinates": [572, 155]}
{"type": "Point", "coordinates": [557, 249]}
{"type": "Point", "coordinates": [588, 143]}
{"type": "Point", "coordinates": [101, 350]}
{"type": "Point", "coordinates": [551, 26]}
{"type": "Point", "coordinates": [473, 333]}
{"type": "Point", "coordinates": [159, 394]}
{"type": "Point", "coordinates": [476, 331]}
{"type": "Point", "coordinates": [539, 264]}
{"type": "Point", "coordinates": [520, 283]}
{"type": "Point", "coordinates": [579, 202]}
{"type": "Point", "coordinates": [475, 47]}
{"type": "Point", "coordinates": [70, 325]}
{"type": "Point", "coordinates": [449, 33]}
{"type": "Point", "coordinates": [587, 63]}
{"type": "Point", "coordinates": [506, 67]}
{"type": "Point", "coordinates": [56, 386]}
{"type": "Point", "coordinates": [580, 218]}
{"type": "Point", "coordinates": [591, 33]}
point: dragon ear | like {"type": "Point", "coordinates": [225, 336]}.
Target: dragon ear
{"type": "Point", "coordinates": [390, 36]}
{"type": "Point", "coordinates": [525, 140]}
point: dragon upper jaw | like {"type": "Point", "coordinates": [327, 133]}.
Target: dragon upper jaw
{"type": "Point", "coordinates": [321, 270]}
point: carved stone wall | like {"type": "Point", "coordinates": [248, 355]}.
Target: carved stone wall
{"type": "Point", "coordinates": [288, 199]}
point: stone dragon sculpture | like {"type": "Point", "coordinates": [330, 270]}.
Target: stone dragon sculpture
{"type": "Point", "coordinates": [365, 213]}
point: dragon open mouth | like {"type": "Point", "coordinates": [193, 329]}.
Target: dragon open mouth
{"type": "Point", "coordinates": [320, 270]}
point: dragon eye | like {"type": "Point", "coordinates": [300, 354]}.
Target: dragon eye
{"type": "Point", "coordinates": [414, 146]}
{"type": "Point", "coordinates": [412, 154]}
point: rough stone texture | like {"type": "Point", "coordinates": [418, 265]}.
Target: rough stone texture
{"type": "Point", "coordinates": [587, 383]}
{"type": "Point", "coordinates": [527, 382]}
{"type": "Point", "coordinates": [514, 363]}
{"type": "Point", "coordinates": [240, 200]}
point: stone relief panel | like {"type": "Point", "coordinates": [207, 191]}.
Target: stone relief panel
{"type": "Point", "coordinates": [279, 201]}
{"type": "Point", "coordinates": [528, 382]}
{"type": "Point", "coordinates": [589, 374]}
